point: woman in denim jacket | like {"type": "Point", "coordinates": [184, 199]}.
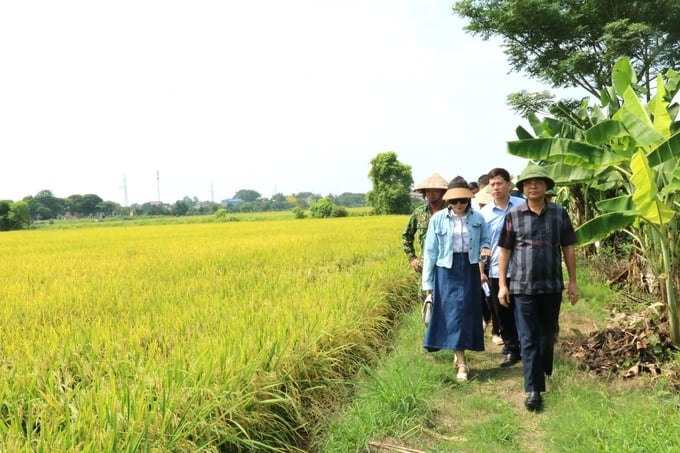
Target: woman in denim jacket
{"type": "Point", "coordinates": [457, 239]}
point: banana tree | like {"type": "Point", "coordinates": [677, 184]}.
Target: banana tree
{"type": "Point", "coordinates": [636, 149]}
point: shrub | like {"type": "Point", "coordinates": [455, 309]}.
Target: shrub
{"type": "Point", "coordinates": [298, 212]}
{"type": "Point", "coordinates": [322, 208]}
{"type": "Point", "coordinates": [339, 211]}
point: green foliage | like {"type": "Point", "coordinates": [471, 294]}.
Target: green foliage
{"type": "Point", "coordinates": [247, 195]}
{"type": "Point", "coordinates": [322, 208]}
{"type": "Point", "coordinates": [629, 160]}
{"type": "Point", "coordinates": [350, 200]}
{"type": "Point", "coordinates": [339, 211]}
{"type": "Point", "coordinates": [524, 103]}
{"type": "Point", "coordinates": [582, 412]}
{"type": "Point", "coordinates": [20, 214]}
{"type": "Point", "coordinates": [181, 207]}
{"type": "Point", "coordinates": [83, 205]}
{"type": "Point", "coordinates": [575, 44]}
{"type": "Point", "coordinates": [14, 215]}
{"type": "Point", "coordinates": [45, 205]}
{"type": "Point", "coordinates": [298, 212]}
{"type": "Point", "coordinates": [392, 181]}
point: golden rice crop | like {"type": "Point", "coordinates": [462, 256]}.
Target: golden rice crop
{"type": "Point", "coordinates": [185, 337]}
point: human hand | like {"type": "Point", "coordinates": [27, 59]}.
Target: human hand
{"type": "Point", "coordinates": [503, 296]}
{"type": "Point", "coordinates": [572, 293]}
{"type": "Point", "coordinates": [416, 266]}
{"type": "Point", "coordinates": [485, 255]}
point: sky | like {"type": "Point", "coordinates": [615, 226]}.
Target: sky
{"type": "Point", "coordinates": [142, 100]}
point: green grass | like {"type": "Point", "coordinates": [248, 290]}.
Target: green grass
{"type": "Point", "coordinates": [411, 399]}
{"type": "Point", "coordinates": [181, 220]}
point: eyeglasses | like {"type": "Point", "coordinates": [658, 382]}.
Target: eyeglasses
{"type": "Point", "coordinates": [535, 182]}
{"type": "Point", "coordinates": [459, 200]}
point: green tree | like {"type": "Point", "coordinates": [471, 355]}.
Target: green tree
{"type": "Point", "coordinates": [5, 222]}
{"type": "Point", "coordinates": [84, 205]}
{"type": "Point", "coordinates": [351, 200]}
{"type": "Point", "coordinates": [571, 43]}
{"type": "Point", "coordinates": [306, 199]}
{"type": "Point", "coordinates": [14, 215]}
{"type": "Point", "coordinates": [44, 205]}
{"type": "Point", "coordinates": [181, 207]}
{"type": "Point", "coordinates": [109, 208]}
{"type": "Point", "coordinates": [322, 208]}
{"type": "Point", "coordinates": [279, 202]}
{"type": "Point", "coordinates": [247, 195]}
{"type": "Point", "coordinates": [392, 181]}
{"type": "Point", "coordinates": [20, 214]}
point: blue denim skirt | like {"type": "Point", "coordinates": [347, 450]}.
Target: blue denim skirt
{"type": "Point", "coordinates": [456, 321]}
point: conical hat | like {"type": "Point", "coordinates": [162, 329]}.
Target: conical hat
{"type": "Point", "coordinates": [483, 196]}
{"type": "Point", "coordinates": [434, 181]}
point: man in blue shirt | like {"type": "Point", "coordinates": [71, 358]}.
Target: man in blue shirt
{"type": "Point", "coordinates": [494, 215]}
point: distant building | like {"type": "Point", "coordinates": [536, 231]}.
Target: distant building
{"type": "Point", "coordinates": [232, 202]}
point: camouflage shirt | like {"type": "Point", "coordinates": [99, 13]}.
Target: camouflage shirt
{"type": "Point", "coordinates": [417, 223]}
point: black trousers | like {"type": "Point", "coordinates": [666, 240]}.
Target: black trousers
{"type": "Point", "coordinates": [537, 317]}
{"type": "Point", "coordinates": [506, 320]}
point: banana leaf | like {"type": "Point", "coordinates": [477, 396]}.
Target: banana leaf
{"type": "Point", "coordinates": [605, 132]}
{"type": "Point", "coordinates": [565, 151]}
{"type": "Point", "coordinates": [603, 226]}
{"type": "Point", "coordinates": [645, 196]}
{"type": "Point", "coordinates": [617, 204]}
{"type": "Point", "coordinates": [668, 150]}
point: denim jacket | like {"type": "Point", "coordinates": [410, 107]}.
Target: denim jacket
{"type": "Point", "coordinates": [439, 245]}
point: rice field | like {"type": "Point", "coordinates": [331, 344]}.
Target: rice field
{"type": "Point", "coordinates": [194, 337]}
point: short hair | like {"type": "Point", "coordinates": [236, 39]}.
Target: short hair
{"type": "Point", "coordinates": [473, 185]}
{"type": "Point", "coordinates": [502, 172]}
{"type": "Point", "coordinates": [483, 180]}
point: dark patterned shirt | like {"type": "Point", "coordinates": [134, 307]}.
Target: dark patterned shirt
{"type": "Point", "coordinates": [417, 223]}
{"type": "Point", "coordinates": [536, 242]}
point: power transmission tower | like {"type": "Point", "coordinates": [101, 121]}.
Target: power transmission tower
{"type": "Point", "coordinates": [125, 191]}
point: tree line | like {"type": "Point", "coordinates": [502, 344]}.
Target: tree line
{"type": "Point", "coordinates": [45, 206]}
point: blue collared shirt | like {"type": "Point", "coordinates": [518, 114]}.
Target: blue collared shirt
{"type": "Point", "coordinates": [494, 218]}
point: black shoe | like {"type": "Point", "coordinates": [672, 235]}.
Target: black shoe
{"type": "Point", "coordinates": [534, 401]}
{"type": "Point", "coordinates": [510, 360]}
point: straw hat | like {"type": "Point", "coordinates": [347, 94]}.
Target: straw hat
{"type": "Point", "coordinates": [434, 181]}
{"type": "Point", "coordinates": [534, 172]}
{"type": "Point", "coordinates": [458, 189]}
{"type": "Point", "coordinates": [483, 196]}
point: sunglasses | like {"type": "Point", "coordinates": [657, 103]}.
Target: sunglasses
{"type": "Point", "coordinates": [459, 200]}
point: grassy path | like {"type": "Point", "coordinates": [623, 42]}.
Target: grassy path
{"type": "Point", "coordinates": [412, 402]}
